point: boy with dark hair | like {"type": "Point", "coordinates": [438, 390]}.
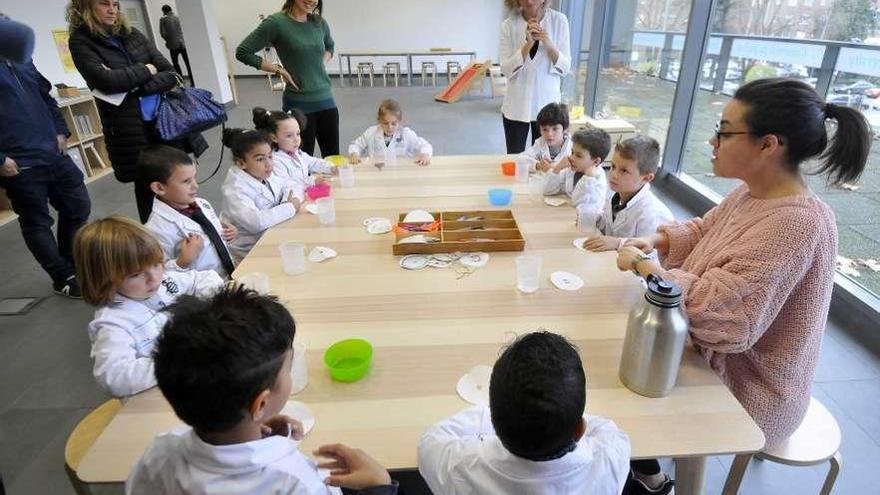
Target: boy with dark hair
{"type": "Point", "coordinates": [633, 210]}
{"type": "Point", "coordinates": [224, 366]}
{"type": "Point", "coordinates": [554, 144]}
{"type": "Point", "coordinates": [191, 234]}
{"type": "Point", "coordinates": [581, 177]}
{"type": "Point", "coordinates": [541, 442]}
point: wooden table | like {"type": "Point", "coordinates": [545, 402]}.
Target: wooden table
{"type": "Point", "coordinates": [409, 59]}
{"type": "Point", "coordinates": [428, 328]}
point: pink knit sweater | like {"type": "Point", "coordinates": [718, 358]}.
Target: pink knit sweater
{"type": "Point", "coordinates": [757, 277]}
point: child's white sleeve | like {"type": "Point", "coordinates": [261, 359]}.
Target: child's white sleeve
{"type": "Point", "coordinates": [244, 212]}
{"type": "Point", "coordinates": [168, 245]}
{"type": "Point", "coordinates": [555, 182]}
{"type": "Point", "coordinates": [509, 52]}
{"type": "Point", "coordinates": [201, 283]}
{"type": "Point", "coordinates": [317, 165]}
{"type": "Point", "coordinates": [416, 145]}
{"type": "Point", "coordinates": [444, 443]}
{"type": "Point", "coordinates": [593, 197]}
{"type": "Point", "coordinates": [361, 145]}
{"type": "Point", "coordinates": [612, 443]}
{"type": "Point", "coordinates": [117, 367]}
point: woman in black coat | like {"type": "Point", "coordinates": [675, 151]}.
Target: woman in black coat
{"type": "Point", "coordinates": [115, 58]}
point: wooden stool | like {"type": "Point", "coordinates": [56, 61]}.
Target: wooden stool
{"type": "Point", "coordinates": [451, 67]}
{"type": "Point", "coordinates": [391, 69]}
{"type": "Point", "coordinates": [426, 68]}
{"type": "Point", "coordinates": [361, 68]}
{"type": "Point", "coordinates": [815, 441]}
{"type": "Point", "coordinates": [83, 437]}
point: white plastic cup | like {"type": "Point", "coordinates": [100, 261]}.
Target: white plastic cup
{"type": "Point", "coordinates": [528, 273]}
{"type": "Point", "coordinates": [390, 157]}
{"type": "Point", "coordinates": [326, 210]}
{"type": "Point", "coordinates": [299, 369]}
{"type": "Point", "coordinates": [522, 170]}
{"type": "Point", "coordinates": [346, 175]}
{"type": "Point", "coordinates": [256, 281]}
{"type": "Point", "coordinates": [537, 183]}
{"type": "Point", "coordinates": [377, 157]}
{"type": "Point", "coordinates": [293, 257]}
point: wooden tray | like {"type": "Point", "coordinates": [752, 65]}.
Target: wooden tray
{"type": "Point", "coordinates": [496, 230]}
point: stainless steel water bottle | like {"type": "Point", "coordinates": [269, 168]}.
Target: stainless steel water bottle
{"type": "Point", "coordinates": [655, 335]}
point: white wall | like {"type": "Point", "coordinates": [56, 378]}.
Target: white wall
{"type": "Point", "coordinates": [382, 25]}
{"type": "Point", "coordinates": [43, 19]}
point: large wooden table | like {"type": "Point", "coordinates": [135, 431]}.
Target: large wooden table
{"type": "Point", "coordinates": [429, 327]}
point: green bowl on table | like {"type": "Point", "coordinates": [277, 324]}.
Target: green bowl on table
{"type": "Point", "coordinates": [349, 360]}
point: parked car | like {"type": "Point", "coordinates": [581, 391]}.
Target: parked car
{"type": "Point", "coordinates": [855, 88]}
{"type": "Point", "coordinates": [872, 92]}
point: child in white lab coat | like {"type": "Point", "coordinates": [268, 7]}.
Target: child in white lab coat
{"type": "Point", "coordinates": [388, 139]}
{"type": "Point", "coordinates": [633, 210]}
{"type": "Point", "coordinates": [554, 144]}
{"type": "Point", "coordinates": [534, 437]}
{"type": "Point", "coordinates": [121, 271]}
{"type": "Point", "coordinates": [191, 234]}
{"type": "Point", "coordinates": [254, 198]}
{"type": "Point", "coordinates": [291, 163]}
{"type": "Point", "coordinates": [581, 176]}
{"type": "Point", "coordinates": [223, 363]}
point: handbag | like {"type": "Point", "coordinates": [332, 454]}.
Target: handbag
{"type": "Point", "coordinates": [149, 105]}
{"type": "Point", "coordinates": [184, 111]}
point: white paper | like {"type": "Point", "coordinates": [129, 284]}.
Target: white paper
{"type": "Point", "coordinates": [299, 411]}
{"type": "Point", "coordinates": [554, 201]}
{"type": "Point", "coordinates": [114, 99]}
{"type": "Point", "coordinates": [566, 281]}
{"type": "Point", "coordinates": [312, 208]}
{"type": "Point", "coordinates": [579, 243]}
{"type": "Point", "coordinates": [321, 253]}
{"type": "Point", "coordinates": [473, 387]}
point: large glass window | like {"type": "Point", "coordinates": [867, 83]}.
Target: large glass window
{"type": "Point", "coordinates": [822, 44]}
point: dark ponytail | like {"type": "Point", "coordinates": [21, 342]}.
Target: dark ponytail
{"type": "Point", "coordinates": [242, 141]}
{"type": "Point", "coordinates": [267, 120]}
{"type": "Point", "coordinates": [796, 114]}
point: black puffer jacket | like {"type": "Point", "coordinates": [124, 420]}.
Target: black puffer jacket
{"type": "Point", "coordinates": [108, 68]}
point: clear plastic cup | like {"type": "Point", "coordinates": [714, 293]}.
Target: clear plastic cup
{"type": "Point", "coordinates": [326, 211]}
{"type": "Point", "coordinates": [346, 175]}
{"type": "Point", "coordinates": [537, 183]}
{"type": "Point", "coordinates": [299, 370]}
{"type": "Point", "coordinates": [293, 257]}
{"type": "Point", "coordinates": [522, 170]}
{"type": "Point", "coordinates": [256, 281]}
{"type": "Point", "coordinates": [377, 157]}
{"type": "Point", "coordinates": [528, 273]}
{"type": "Point", "coordinates": [390, 157]}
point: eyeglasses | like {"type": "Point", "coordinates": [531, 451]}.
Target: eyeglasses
{"type": "Point", "coordinates": [719, 134]}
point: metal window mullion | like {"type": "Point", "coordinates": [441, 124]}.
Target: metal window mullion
{"type": "Point", "coordinates": [598, 52]}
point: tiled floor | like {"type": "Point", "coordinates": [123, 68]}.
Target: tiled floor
{"type": "Point", "coordinates": [47, 386]}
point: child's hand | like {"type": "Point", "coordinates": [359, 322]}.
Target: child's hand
{"type": "Point", "coordinates": [423, 160]}
{"type": "Point", "coordinates": [282, 425]}
{"type": "Point", "coordinates": [351, 468]}
{"type": "Point", "coordinates": [292, 199]}
{"type": "Point", "coordinates": [189, 250]}
{"type": "Point", "coordinates": [229, 233]}
{"type": "Point", "coordinates": [598, 243]}
{"type": "Point", "coordinates": [319, 179]}
{"type": "Point", "coordinates": [543, 165]}
{"type": "Point", "coordinates": [354, 158]}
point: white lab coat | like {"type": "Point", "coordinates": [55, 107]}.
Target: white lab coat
{"type": "Point", "coordinates": [404, 142]}
{"type": "Point", "coordinates": [540, 149]}
{"type": "Point", "coordinates": [462, 456]}
{"type": "Point", "coordinates": [296, 168]}
{"type": "Point", "coordinates": [588, 195]}
{"type": "Point", "coordinates": [170, 228]}
{"type": "Point", "coordinates": [252, 207]}
{"type": "Point", "coordinates": [641, 216]}
{"type": "Point", "coordinates": [123, 332]}
{"type": "Point", "coordinates": [180, 462]}
{"type": "Point", "coordinates": [533, 83]}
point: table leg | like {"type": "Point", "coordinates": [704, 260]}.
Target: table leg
{"type": "Point", "coordinates": [409, 69]}
{"type": "Point", "coordinates": [349, 67]}
{"type": "Point", "coordinates": [690, 475]}
{"type": "Point", "coordinates": [341, 74]}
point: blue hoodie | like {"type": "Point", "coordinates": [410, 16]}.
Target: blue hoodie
{"type": "Point", "coordinates": [29, 117]}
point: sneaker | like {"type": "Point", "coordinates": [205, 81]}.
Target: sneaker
{"type": "Point", "coordinates": [68, 288]}
{"type": "Point", "coordinates": [634, 486]}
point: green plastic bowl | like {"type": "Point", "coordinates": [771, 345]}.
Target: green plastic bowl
{"type": "Point", "coordinates": [349, 360]}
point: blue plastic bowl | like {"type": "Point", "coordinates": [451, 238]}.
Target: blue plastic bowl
{"type": "Point", "coordinates": [500, 197]}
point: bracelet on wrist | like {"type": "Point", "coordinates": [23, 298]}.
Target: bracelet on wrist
{"type": "Point", "coordinates": [636, 261]}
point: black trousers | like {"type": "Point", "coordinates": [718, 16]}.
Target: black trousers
{"type": "Point", "coordinates": [31, 192]}
{"type": "Point", "coordinates": [143, 196]}
{"type": "Point", "coordinates": [323, 126]}
{"type": "Point", "coordinates": [174, 55]}
{"type": "Point", "coordinates": [516, 133]}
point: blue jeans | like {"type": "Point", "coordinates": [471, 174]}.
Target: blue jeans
{"type": "Point", "coordinates": [31, 192]}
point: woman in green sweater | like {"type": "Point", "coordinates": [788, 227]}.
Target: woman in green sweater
{"type": "Point", "coordinates": [302, 39]}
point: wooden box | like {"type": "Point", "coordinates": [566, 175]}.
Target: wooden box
{"type": "Point", "coordinates": [475, 230]}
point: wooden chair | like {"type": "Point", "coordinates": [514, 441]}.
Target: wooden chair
{"type": "Point", "coordinates": [816, 440]}
{"type": "Point", "coordinates": [83, 437]}
{"type": "Point", "coordinates": [452, 67]}
{"type": "Point", "coordinates": [429, 68]}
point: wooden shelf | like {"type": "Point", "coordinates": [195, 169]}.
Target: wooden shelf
{"type": "Point", "coordinates": [7, 216]}
{"type": "Point", "coordinates": [99, 174]}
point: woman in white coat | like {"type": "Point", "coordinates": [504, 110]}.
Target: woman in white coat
{"type": "Point", "coordinates": [535, 55]}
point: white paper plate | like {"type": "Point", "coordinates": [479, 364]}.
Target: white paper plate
{"type": "Point", "coordinates": [369, 220]}
{"type": "Point", "coordinates": [473, 387]}
{"type": "Point", "coordinates": [378, 226]}
{"type": "Point", "coordinates": [299, 411]}
{"type": "Point", "coordinates": [311, 208]}
{"type": "Point", "coordinates": [566, 280]}
{"type": "Point", "coordinates": [474, 260]}
{"type": "Point", "coordinates": [579, 243]}
{"type": "Point", "coordinates": [321, 253]}
{"type": "Point", "coordinates": [414, 262]}
{"type": "Point", "coordinates": [554, 201]}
